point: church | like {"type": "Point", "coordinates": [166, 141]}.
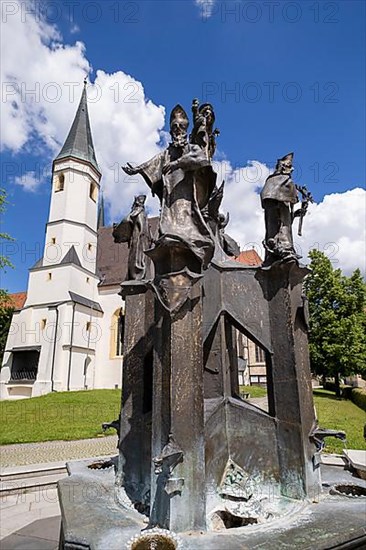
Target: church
{"type": "Point", "coordinates": [67, 331]}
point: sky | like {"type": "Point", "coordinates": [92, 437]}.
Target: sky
{"type": "Point", "coordinates": [282, 76]}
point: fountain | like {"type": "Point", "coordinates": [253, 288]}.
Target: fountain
{"type": "Point", "coordinates": [198, 466]}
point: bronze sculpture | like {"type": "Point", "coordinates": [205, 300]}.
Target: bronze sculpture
{"type": "Point", "coordinates": [203, 133]}
{"type": "Point", "coordinates": [278, 196]}
{"type": "Point", "coordinates": [134, 229]}
{"type": "Point", "coordinates": [183, 179]}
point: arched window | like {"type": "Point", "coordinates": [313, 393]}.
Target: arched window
{"type": "Point", "coordinates": [117, 333]}
{"type": "Point", "coordinates": [259, 355]}
{"type": "Point", "coordinates": [60, 182]}
{"type": "Point", "coordinates": [93, 191]}
{"type": "Point", "coordinates": [120, 332]}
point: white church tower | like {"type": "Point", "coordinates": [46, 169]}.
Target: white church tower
{"type": "Point", "coordinates": [52, 340]}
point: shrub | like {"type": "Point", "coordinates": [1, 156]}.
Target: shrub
{"type": "Point", "coordinates": [345, 390]}
{"type": "Point", "coordinates": [358, 396]}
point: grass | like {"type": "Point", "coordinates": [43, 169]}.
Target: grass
{"type": "Point", "coordinates": [340, 414]}
{"type": "Point", "coordinates": [79, 415]}
{"type": "Point", "coordinates": [255, 391]}
{"type": "Point", "coordinates": [58, 416]}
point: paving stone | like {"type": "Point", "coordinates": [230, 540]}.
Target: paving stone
{"type": "Point", "coordinates": [56, 451]}
{"type": "Point", "coordinates": [41, 534]}
{"type": "Point", "coordinates": [18, 542]}
{"type": "Point", "coordinates": [8, 501]}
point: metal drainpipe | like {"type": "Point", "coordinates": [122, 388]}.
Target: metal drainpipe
{"type": "Point", "coordinates": [71, 342]}
{"type": "Point", "coordinates": [54, 350]}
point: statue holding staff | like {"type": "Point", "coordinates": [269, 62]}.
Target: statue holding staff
{"type": "Point", "coordinates": [278, 196]}
{"type": "Point", "coordinates": [183, 179]}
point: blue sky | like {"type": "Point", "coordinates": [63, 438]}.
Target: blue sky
{"type": "Point", "coordinates": [282, 76]}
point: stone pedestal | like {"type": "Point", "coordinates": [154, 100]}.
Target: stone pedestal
{"type": "Point", "coordinates": [183, 422]}
{"type": "Point", "coordinates": [177, 490]}
{"type": "Point", "coordinates": [136, 407]}
{"type": "Point", "coordinates": [289, 378]}
{"type": "Point", "coordinates": [268, 306]}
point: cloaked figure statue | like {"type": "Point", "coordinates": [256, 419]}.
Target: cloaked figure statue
{"type": "Point", "coordinates": [278, 196]}
{"type": "Point", "coordinates": [203, 133]}
{"type": "Point", "coordinates": [134, 229]}
{"type": "Point", "coordinates": [225, 246]}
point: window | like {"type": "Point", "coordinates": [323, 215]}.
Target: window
{"type": "Point", "coordinates": [43, 323]}
{"type": "Point", "coordinates": [120, 333]}
{"type": "Point", "coordinates": [88, 326]}
{"type": "Point", "coordinates": [90, 246]}
{"type": "Point", "coordinates": [49, 276]}
{"type": "Point", "coordinates": [259, 355]}
{"type": "Point", "coordinates": [93, 191]}
{"type": "Point", "coordinates": [117, 333]}
{"type": "Point", "coordinates": [88, 279]}
{"type": "Point", "coordinates": [24, 365]}
{"type": "Point", "coordinates": [60, 183]}
{"type": "Point", "coordinates": [53, 240]}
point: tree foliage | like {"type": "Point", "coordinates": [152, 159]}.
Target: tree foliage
{"type": "Point", "coordinates": [337, 306]}
{"type": "Point", "coordinates": [6, 307]}
{"type": "Point", "coordinates": [4, 260]}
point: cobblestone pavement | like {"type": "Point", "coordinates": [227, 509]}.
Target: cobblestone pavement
{"type": "Point", "coordinates": [56, 451]}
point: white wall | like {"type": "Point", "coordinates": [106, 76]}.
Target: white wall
{"type": "Point", "coordinates": [28, 330]}
{"type": "Point", "coordinates": [73, 202]}
{"type": "Point", "coordinates": [108, 372]}
{"type": "Point", "coordinates": [43, 290]}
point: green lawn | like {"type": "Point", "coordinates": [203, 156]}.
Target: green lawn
{"type": "Point", "coordinates": [64, 415]}
{"type": "Point", "coordinates": [340, 414]}
{"type": "Point", "coordinates": [79, 415]}
{"type": "Point", "coordinates": [255, 391]}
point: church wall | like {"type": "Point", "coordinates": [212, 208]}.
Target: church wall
{"type": "Point", "coordinates": [81, 340]}
{"type": "Point", "coordinates": [67, 235]}
{"type": "Point", "coordinates": [74, 202]}
{"type": "Point", "coordinates": [45, 289]}
{"type": "Point", "coordinates": [108, 372]}
{"type": "Point", "coordinates": [30, 328]}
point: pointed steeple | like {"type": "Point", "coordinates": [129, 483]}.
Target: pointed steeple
{"type": "Point", "coordinates": [79, 142]}
{"type": "Point", "coordinates": [101, 222]}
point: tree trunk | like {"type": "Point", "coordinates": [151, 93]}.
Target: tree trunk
{"type": "Point", "coordinates": [337, 386]}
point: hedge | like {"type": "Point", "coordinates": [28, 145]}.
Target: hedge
{"type": "Point", "coordinates": [358, 396]}
{"type": "Point", "coordinates": [345, 390]}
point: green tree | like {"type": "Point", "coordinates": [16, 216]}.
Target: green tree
{"type": "Point", "coordinates": [6, 307]}
{"type": "Point", "coordinates": [337, 306]}
{"type": "Point", "coordinates": [6, 313]}
{"type": "Point", "coordinates": [4, 260]}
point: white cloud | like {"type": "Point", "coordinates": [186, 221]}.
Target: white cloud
{"type": "Point", "coordinates": [206, 7]}
{"type": "Point", "coordinates": [35, 67]}
{"type": "Point", "coordinates": [29, 181]}
{"type": "Point", "coordinates": [242, 201]}
{"type": "Point", "coordinates": [74, 28]}
{"type": "Point", "coordinates": [127, 126]}
{"type": "Point", "coordinates": [337, 227]}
